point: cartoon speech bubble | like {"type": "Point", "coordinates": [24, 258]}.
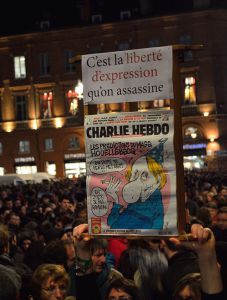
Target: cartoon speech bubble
{"type": "Point", "coordinates": [99, 205]}
{"type": "Point", "coordinates": [102, 166]}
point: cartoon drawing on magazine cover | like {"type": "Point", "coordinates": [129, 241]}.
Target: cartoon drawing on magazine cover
{"type": "Point", "coordinates": [142, 194]}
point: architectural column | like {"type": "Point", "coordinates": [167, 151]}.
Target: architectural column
{"type": "Point", "coordinates": [33, 103]}
{"type": "Point", "coordinates": [8, 107]}
{"type": "Point", "coordinates": [59, 100]}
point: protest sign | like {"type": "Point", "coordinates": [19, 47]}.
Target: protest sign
{"type": "Point", "coordinates": [131, 180]}
{"type": "Point", "coordinates": [128, 76]}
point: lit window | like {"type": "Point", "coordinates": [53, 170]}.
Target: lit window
{"type": "Point", "coordinates": [21, 108]}
{"type": "Point", "coordinates": [69, 67]}
{"type": "Point", "coordinates": [74, 143]}
{"type": "Point", "coordinates": [1, 148]}
{"type": "Point", "coordinates": [72, 102]}
{"type": "Point", "coordinates": [26, 169]}
{"type": "Point", "coordinates": [189, 90]}
{"type": "Point", "coordinates": [2, 171]}
{"type": "Point", "coordinates": [48, 143]}
{"type": "Point", "coordinates": [44, 64]}
{"type": "Point", "coordinates": [47, 105]}
{"type": "Point", "coordinates": [24, 146]}
{"type": "Point", "coordinates": [192, 133]}
{"type": "Point", "coordinates": [75, 169]}
{"type": "Point", "coordinates": [51, 167]}
{"type": "Point", "coordinates": [19, 67]}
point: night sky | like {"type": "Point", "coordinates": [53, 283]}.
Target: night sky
{"type": "Point", "coordinates": [24, 16]}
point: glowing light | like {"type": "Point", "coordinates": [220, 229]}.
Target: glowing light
{"type": "Point", "coordinates": [9, 126]}
{"type": "Point", "coordinates": [79, 89]}
{"type": "Point", "coordinates": [58, 122]}
{"type": "Point", "coordinates": [206, 113]}
{"type": "Point", "coordinates": [212, 139]}
{"type": "Point", "coordinates": [34, 124]}
{"type": "Point", "coordinates": [194, 135]}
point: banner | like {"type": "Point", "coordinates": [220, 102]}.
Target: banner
{"type": "Point", "coordinates": [127, 76]}
{"type": "Point", "coordinates": [131, 180]}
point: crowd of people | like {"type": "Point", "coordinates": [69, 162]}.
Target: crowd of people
{"type": "Point", "coordinates": [45, 252]}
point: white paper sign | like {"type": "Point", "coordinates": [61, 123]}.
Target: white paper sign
{"type": "Point", "coordinates": [128, 76]}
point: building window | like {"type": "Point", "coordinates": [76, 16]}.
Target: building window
{"type": "Point", "coordinates": [48, 144]}
{"type": "Point", "coordinates": [123, 46]}
{"type": "Point", "coordinates": [185, 39]}
{"type": "Point", "coordinates": [19, 67]}
{"type": "Point", "coordinates": [69, 67]}
{"type": "Point", "coordinates": [72, 102]}
{"type": "Point", "coordinates": [189, 90]}
{"type": "Point", "coordinates": [47, 105]}
{"type": "Point", "coordinates": [26, 169]}
{"type": "Point", "coordinates": [74, 143]}
{"type": "Point", "coordinates": [1, 148]}
{"type": "Point", "coordinates": [24, 146]}
{"type": "Point", "coordinates": [51, 167]}
{"type": "Point", "coordinates": [2, 171]}
{"type": "Point", "coordinates": [153, 43]}
{"type": "Point", "coordinates": [21, 108]}
{"type": "Point", "coordinates": [192, 133]}
{"type": "Point", "coordinates": [44, 64]}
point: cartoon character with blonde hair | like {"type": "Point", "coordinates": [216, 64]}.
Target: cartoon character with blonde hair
{"type": "Point", "coordinates": [142, 194]}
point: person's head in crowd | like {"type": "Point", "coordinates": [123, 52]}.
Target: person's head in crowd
{"type": "Point", "coordinates": [8, 203]}
{"type": "Point", "coordinates": [64, 203]}
{"type": "Point", "coordinates": [221, 220]}
{"type": "Point", "coordinates": [122, 288]}
{"type": "Point", "coordinates": [45, 199]}
{"type": "Point", "coordinates": [4, 213]}
{"type": "Point", "coordinates": [199, 200]}
{"type": "Point", "coordinates": [151, 271]}
{"type": "Point", "coordinates": [17, 204]}
{"type": "Point", "coordinates": [72, 206]}
{"type": "Point", "coordinates": [33, 255]}
{"type": "Point", "coordinates": [188, 287]}
{"type": "Point", "coordinates": [9, 285]}
{"type": "Point", "coordinates": [49, 282]}
{"type": "Point", "coordinates": [51, 234]}
{"type": "Point", "coordinates": [67, 218]}
{"type": "Point", "coordinates": [204, 216]}
{"type": "Point", "coordinates": [25, 239]}
{"type": "Point", "coordinates": [181, 261]}
{"type": "Point", "coordinates": [67, 233]}
{"type": "Point", "coordinates": [210, 196]}
{"type": "Point", "coordinates": [213, 209]}
{"type": "Point", "coordinates": [125, 266]}
{"type": "Point", "coordinates": [82, 212]}
{"type": "Point", "coordinates": [13, 221]}
{"type": "Point", "coordinates": [223, 192]}
{"type": "Point", "coordinates": [98, 249]}
{"type": "Point", "coordinates": [4, 239]}
{"type": "Point", "coordinates": [23, 210]}
{"type": "Point", "coordinates": [4, 193]}
{"type": "Point", "coordinates": [55, 253]}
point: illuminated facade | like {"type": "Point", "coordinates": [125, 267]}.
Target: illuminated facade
{"type": "Point", "coordinates": [41, 125]}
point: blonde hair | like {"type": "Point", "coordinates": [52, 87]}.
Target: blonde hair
{"type": "Point", "coordinates": [43, 272]}
{"type": "Point", "coordinates": [155, 168]}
